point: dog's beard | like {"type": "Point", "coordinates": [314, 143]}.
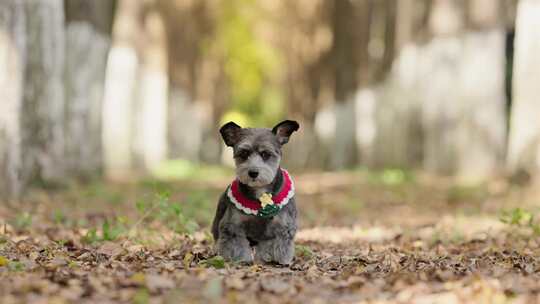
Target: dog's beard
{"type": "Point", "coordinates": [255, 183]}
{"type": "Point", "coordinates": [267, 173]}
{"type": "Point", "coordinates": [264, 178]}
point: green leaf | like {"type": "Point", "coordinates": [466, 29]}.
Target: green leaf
{"type": "Point", "coordinates": [304, 251]}
{"type": "Point", "coordinates": [111, 232]}
{"type": "Point", "coordinates": [15, 266]}
{"type": "Point", "coordinates": [141, 296]}
{"type": "Point", "coordinates": [59, 217]}
{"type": "Point", "coordinates": [217, 262]}
{"type": "Point", "coordinates": [91, 236]}
{"type": "Point", "coordinates": [141, 206]}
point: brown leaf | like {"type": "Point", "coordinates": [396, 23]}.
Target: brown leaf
{"type": "Point", "coordinates": [188, 258]}
{"type": "Point", "coordinates": [110, 249]}
{"type": "Point", "coordinates": [156, 282]}
{"type": "Point", "coordinates": [235, 282]}
{"type": "Point", "coordinates": [275, 285]}
{"type": "Point", "coordinates": [213, 288]}
{"type": "Point", "coordinates": [57, 262]}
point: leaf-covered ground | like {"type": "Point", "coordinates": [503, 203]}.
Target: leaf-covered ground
{"type": "Point", "coordinates": [386, 237]}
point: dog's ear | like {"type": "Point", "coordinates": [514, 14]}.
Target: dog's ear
{"type": "Point", "coordinates": [230, 133]}
{"type": "Point", "coordinates": [284, 129]}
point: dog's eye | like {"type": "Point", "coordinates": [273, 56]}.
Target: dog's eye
{"type": "Point", "coordinates": [265, 155]}
{"type": "Point", "coordinates": [243, 154]}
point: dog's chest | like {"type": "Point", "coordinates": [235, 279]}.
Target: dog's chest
{"type": "Point", "coordinates": [255, 227]}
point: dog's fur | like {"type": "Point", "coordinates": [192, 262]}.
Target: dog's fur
{"type": "Point", "coordinates": [235, 233]}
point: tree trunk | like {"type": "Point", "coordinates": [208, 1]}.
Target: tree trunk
{"type": "Point", "coordinates": [524, 141]}
{"type": "Point", "coordinates": [88, 38]}
{"type": "Point", "coordinates": [150, 141]}
{"type": "Point", "coordinates": [462, 80]}
{"type": "Point", "coordinates": [185, 126]}
{"type": "Point", "coordinates": [43, 97]}
{"type": "Point", "coordinates": [135, 104]}
{"type": "Point", "coordinates": [120, 88]}
{"type": "Point", "coordinates": [12, 60]}
{"type": "Point", "coordinates": [194, 80]}
{"type": "Point", "coordinates": [388, 129]}
{"type": "Point", "coordinates": [344, 54]}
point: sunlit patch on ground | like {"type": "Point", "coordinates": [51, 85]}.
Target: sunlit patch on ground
{"type": "Point", "coordinates": [345, 234]}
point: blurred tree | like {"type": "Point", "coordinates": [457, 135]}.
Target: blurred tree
{"type": "Point", "coordinates": [135, 105]}
{"type": "Point", "coordinates": [150, 125]}
{"type": "Point", "coordinates": [12, 59]}
{"type": "Point", "coordinates": [389, 99]}
{"type": "Point", "coordinates": [197, 93]}
{"type": "Point", "coordinates": [250, 63]}
{"type": "Point", "coordinates": [303, 34]}
{"type": "Point", "coordinates": [442, 101]}
{"type": "Point", "coordinates": [325, 47]}
{"type": "Point", "coordinates": [524, 140]}
{"type": "Point", "coordinates": [348, 28]}
{"type": "Point", "coordinates": [88, 39]}
{"type": "Point", "coordinates": [463, 86]}
{"type": "Point", "coordinates": [43, 137]}
{"type": "Point", "coordinates": [120, 91]}
{"type": "Point", "coordinates": [33, 37]}
{"type": "Point", "coordinates": [217, 60]}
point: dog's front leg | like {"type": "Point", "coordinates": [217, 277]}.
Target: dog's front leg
{"type": "Point", "coordinates": [279, 249]}
{"type": "Point", "coordinates": [232, 243]}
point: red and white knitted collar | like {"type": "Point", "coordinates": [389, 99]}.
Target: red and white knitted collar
{"type": "Point", "coordinates": [254, 207]}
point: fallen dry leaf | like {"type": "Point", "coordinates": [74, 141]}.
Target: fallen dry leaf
{"type": "Point", "coordinates": [275, 285]}
{"type": "Point", "coordinates": [156, 282]}
{"type": "Point", "coordinates": [110, 249]}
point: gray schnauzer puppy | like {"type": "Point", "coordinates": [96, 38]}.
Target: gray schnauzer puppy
{"type": "Point", "coordinates": [258, 208]}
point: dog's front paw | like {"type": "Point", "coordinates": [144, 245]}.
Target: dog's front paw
{"type": "Point", "coordinates": [243, 258]}
{"type": "Point", "coordinates": [262, 257]}
{"type": "Point", "coordinates": [278, 251]}
{"type": "Point", "coordinates": [235, 252]}
{"type": "Point", "coordinates": [285, 258]}
{"type": "Point", "coordinates": [265, 258]}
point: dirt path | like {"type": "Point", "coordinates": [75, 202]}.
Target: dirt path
{"type": "Point", "coordinates": [365, 238]}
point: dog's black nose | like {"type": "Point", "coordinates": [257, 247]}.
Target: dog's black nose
{"type": "Point", "coordinates": [253, 173]}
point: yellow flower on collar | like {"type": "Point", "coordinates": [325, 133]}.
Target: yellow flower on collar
{"type": "Point", "coordinates": [266, 199]}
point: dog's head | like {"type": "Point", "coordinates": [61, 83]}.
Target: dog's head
{"type": "Point", "coordinates": [257, 151]}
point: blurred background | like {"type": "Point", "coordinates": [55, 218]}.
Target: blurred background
{"type": "Point", "coordinates": [127, 89]}
{"type": "Point", "coordinates": [415, 164]}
